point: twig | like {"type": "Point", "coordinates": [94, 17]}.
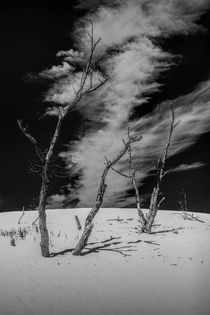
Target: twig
{"type": "Point", "coordinates": [35, 221]}
{"type": "Point", "coordinates": [78, 222]}
{"type": "Point", "coordinates": [31, 139]}
{"type": "Point", "coordinates": [158, 206]}
{"type": "Point", "coordinates": [127, 176]}
{"type": "Point", "coordinates": [23, 212]}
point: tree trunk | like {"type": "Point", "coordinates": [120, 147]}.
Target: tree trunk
{"type": "Point", "coordinates": [83, 239]}
{"type": "Point", "coordinates": [152, 210]}
{"type": "Point", "coordinates": [88, 222]}
{"type": "Point", "coordinates": [154, 205]}
{"type": "Point", "coordinates": [42, 217]}
{"type": "Point", "coordinates": [133, 176]}
{"type": "Point", "coordinates": [142, 219]}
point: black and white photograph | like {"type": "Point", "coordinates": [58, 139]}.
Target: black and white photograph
{"type": "Point", "coordinates": [105, 157]}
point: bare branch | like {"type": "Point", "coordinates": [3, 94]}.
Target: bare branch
{"type": "Point", "coordinates": [87, 74]}
{"type": "Point", "coordinates": [24, 130]}
{"type": "Point", "coordinates": [23, 212]}
{"type": "Point", "coordinates": [159, 204]}
{"type": "Point", "coordinates": [118, 172]}
{"type": "Point", "coordinates": [165, 173]}
{"type": "Point", "coordinates": [172, 126]}
{"type": "Point", "coordinates": [97, 87]}
{"type": "Point", "coordinates": [78, 222]}
{"type": "Point", "coordinates": [35, 221]}
{"type": "Point", "coordinates": [123, 141]}
{"type": "Point", "coordinates": [30, 138]}
{"type": "Point", "coordinates": [107, 162]}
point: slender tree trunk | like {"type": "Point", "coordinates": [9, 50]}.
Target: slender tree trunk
{"type": "Point", "coordinates": [152, 210]}
{"type": "Point", "coordinates": [138, 205]}
{"type": "Point", "coordinates": [154, 204]}
{"type": "Point", "coordinates": [133, 177]}
{"type": "Point", "coordinates": [99, 199]}
{"type": "Point", "coordinates": [43, 192]}
{"type": "Point", "coordinates": [44, 244]}
{"type": "Point", "coordinates": [88, 222]}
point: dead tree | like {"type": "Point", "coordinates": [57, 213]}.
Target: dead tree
{"type": "Point", "coordinates": [184, 207]}
{"type": "Point", "coordinates": [23, 212]}
{"type": "Point", "coordinates": [132, 176]}
{"type": "Point", "coordinates": [85, 86]}
{"type": "Point", "coordinates": [147, 221]}
{"type": "Point", "coordinates": [183, 203]}
{"type": "Point", "coordinates": [154, 203]}
{"type": "Point", "coordinates": [100, 195]}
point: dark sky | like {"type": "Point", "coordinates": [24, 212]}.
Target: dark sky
{"type": "Point", "coordinates": [31, 34]}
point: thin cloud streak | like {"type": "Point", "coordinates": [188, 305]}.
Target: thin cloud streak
{"type": "Point", "coordinates": [187, 167]}
{"type": "Point", "coordinates": [128, 55]}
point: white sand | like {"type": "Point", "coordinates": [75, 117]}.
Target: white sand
{"type": "Point", "coordinates": [166, 273]}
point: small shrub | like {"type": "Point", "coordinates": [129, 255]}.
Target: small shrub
{"type": "Point", "coordinates": [13, 234]}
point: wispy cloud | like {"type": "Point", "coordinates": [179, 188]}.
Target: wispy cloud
{"type": "Point", "coordinates": [57, 71]}
{"type": "Point", "coordinates": [133, 61]}
{"type": "Point", "coordinates": [187, 167]}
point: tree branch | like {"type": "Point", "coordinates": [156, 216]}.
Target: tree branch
{"type": "Point", "coordinates": [31, 139]}
{"type": "Point", "coordinates": [118, 172]}
{"type": "Point", "coordinates": [97, 87]}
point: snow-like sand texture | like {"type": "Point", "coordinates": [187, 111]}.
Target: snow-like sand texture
{"type": "Point", "coordinates": [121, 271]}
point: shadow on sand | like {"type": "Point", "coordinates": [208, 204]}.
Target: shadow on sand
{"type": "Point", "coordinates": [102, 246]}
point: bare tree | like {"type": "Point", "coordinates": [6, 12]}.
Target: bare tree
{"type": "Point", "coordinates": [132, 176]}
{"type": "Point", "coordinates": [85, 86]}
{"type": "Point", "coordinates": [100, 195]}
{"type": "Point", "coordinates": [183, 203]}
{"type": "Point", "coordinates": [184, 207]}
{"type": "Point", "coordinates": [147, 221]}
{"type": "Point", "coordinates": [154, 203]}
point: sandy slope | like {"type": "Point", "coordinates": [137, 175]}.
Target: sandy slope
{"type": "Point", "coordinates": [122, 271]}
